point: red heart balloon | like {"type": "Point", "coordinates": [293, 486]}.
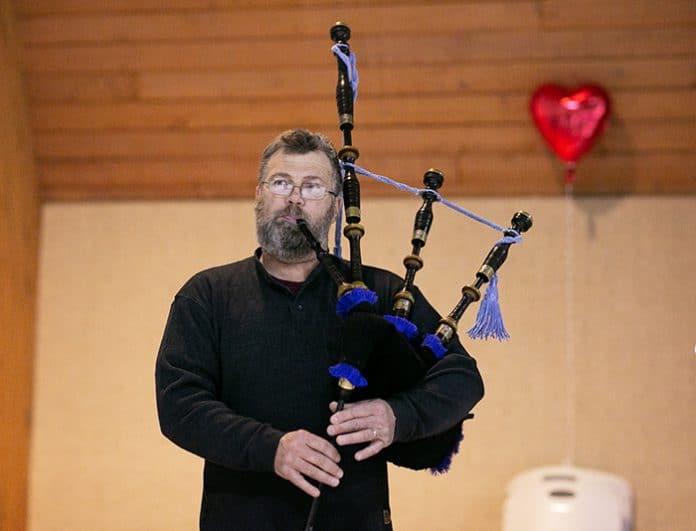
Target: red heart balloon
{"type": "Point", "coordinates": [570, 120]}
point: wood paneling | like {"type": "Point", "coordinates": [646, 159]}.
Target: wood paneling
{"type": "Point", "coordinates": [284, 23]}
{"type": "Point", "coordinates": [386, 81]}
{"type": "Point", "coordinates": [419, 49]}
{"type": "Point", "coordinates": [631, 13]}
{"type": "Point", "coordinates": [375, 112]}
{"type": "Point", "coordinates": [19, 225]}
{"type": "Point", "coordinates": [201, 84]}
{"type": "Point", "coordinates": [643, 136]}
{"type": "Point", "coordinates": [465, 175]}
{"type": "Point", "coordinates": [50, 7]}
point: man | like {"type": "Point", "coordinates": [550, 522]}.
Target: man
{"type": "Point", "coordinates": [242, 372]}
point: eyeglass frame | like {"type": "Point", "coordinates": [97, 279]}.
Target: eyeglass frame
{"type": "Point", "coordinates": [267, 182]}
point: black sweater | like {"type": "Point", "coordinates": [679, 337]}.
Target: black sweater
{"type": "Point", "coordinates": [244, 361]}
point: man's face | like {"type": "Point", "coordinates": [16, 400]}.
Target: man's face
{"type": "Point", "coordinates": [276, 216]}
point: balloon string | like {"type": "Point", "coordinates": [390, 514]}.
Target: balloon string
{"type": "Point", "coordinates": [570, 332]}
{"type": "Point", "coordinates": [570, 173]}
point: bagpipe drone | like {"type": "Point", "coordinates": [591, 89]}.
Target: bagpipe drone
{"type": "Point", "coordinates": [384, 354]}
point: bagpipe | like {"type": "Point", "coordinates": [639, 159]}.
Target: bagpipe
{"type": "Point", "coordinates": [381, 355]}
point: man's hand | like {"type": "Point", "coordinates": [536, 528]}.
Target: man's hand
{"type": "Point", "coordinates": [368, 421]}
{"type": "Point", "coordinates": [301, 455]}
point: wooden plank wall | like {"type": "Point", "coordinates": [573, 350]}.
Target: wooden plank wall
{"type": "Point", "coordinates": [130, 100]}
{"type": "Point", "coordinates": [19, 227]}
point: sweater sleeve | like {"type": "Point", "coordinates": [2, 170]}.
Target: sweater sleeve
{"type": "Point", "coordinates": [187, 376]}
{"type": "Point", "coordinates": [449, 390]}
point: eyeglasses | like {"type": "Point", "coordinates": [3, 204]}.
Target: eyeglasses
{"type": "Point", "coordinates": [310, 190]}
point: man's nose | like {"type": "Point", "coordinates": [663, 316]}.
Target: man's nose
{"type": "Point", "coordinates": [296, 195]}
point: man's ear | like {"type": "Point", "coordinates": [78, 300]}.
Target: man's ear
{"type": "Point", "coordinates": [258, 191]}
{"type": "Point", "coordinates": [338, 205]}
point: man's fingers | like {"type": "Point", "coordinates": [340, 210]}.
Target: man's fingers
{"type": "Point", "coordinates": [302, 456]}
{"type": "Point", "coordinates": [357, 437]}
{"type": "Point", "coordinates": [324, 447]}
{"type": "Point", "coordinates": [299, 468]}
{"type": "Point", "coordinates": [323, 463]}
{"type": "Point", "coordinates": [352, 425]}
{"type": "Point", "coordinates": [361, 410]}
{"type": "Point", "coordinates": [352, 410]}
{"type": "Point", "coordinates": [299, 481]}
{"type": "Point", "coordinates": [370, 450]}
{"type": "Point", "coordinates": [318, 459]}
{"type": "Point", "coordinates": [311, 471]}
{"type": "Point", "coordinates": [368, 421]}
{"type": "Point", "coordinates": [355, 417]}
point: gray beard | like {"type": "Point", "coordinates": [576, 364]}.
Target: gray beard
{"type": "Point", "coordinates": [285, 241]}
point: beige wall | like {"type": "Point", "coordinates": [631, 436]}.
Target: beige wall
{"type": "Point", "coordinates": [600, 301]}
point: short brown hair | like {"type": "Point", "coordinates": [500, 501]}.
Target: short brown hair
{"type": "Point", "coordinates": [301, 141]}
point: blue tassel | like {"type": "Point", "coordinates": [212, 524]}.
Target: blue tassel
{"type": "Point", "coordinates": [489, 320]}
{"type": "Point", "coordinates": [350, 373]}
{"type": "Point", "coordinates": [444, 465]}
{"type": "Point", "coordinates": [354, 297]}
{"type": "Point", "coordinates": [403, 325]}
{"type": "Point", "coordinates": [433, 343]}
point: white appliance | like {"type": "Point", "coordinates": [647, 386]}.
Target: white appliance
{"type": "Point", "coordinates": [565, 498]}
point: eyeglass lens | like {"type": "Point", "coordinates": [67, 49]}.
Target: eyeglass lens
{"type": "Point", "coordinates": [308, 190]}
